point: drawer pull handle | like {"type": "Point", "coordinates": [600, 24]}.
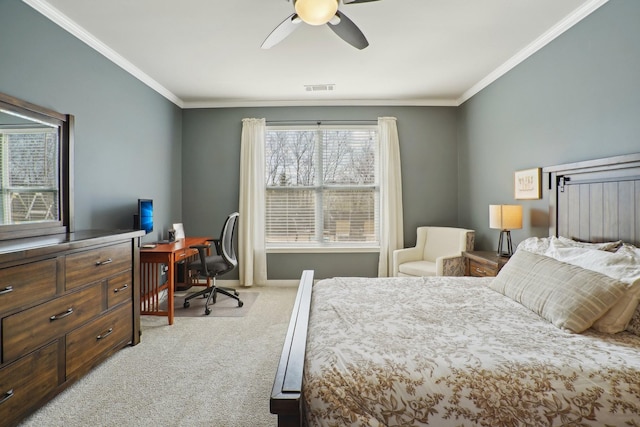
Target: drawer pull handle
{"type": "Point", "coordinates": [108, 261]}
{"type": "Point", "coordinates": [116, 290]}
{"type": "Point", "coordinates": [6, 290]}
{"type": "Point", "coordinates": [105, 334]}
{"type": "Point", "coordinates": [8, 395]}
{"type": "Point", "coordinates": [62, 315]}
{"type": "Point", "coordinates": [479, 270]}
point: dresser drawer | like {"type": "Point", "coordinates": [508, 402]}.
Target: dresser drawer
{"type": "Point", "coordinates": [26, 284]}
{"type": "Point", "coordinates": [480, 269]}
{"type": "Point", "coordinates": [25, 382]}
{"type": "Point", "coordinates": [119, 289]}
{"type": "Point", "coordinates": [90, 344]}
{"type": "Point", "coordinates": [29, 329]}
{"type": "Point", "coordinates": [97, 264]}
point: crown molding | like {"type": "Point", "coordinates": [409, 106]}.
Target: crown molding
{"type": "Point", "coordinates": [546, 38]}
{"type": "Point", "coordinates": [63, 21]}
{"type": "Point", "coordinates": [230, 103]}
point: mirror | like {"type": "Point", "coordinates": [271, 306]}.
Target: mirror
{"type": "Point", "coordinates": [34, 170]}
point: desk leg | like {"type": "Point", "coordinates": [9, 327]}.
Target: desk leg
{"type": "Point", "coordinates": [170, 289]}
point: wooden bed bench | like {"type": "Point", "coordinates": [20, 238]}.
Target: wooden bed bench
{"type": "Point", "coordinates": [286, 395]}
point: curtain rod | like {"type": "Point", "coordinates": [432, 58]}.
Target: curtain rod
{"type": "Point", "coordinates": [321, 122]}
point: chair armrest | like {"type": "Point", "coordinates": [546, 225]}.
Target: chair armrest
{"type": "Point", "coordinates": [216, 243]}
{"type": "Point", "coordinates": [450, 265]}
{"type": "Point", "coordinates": [202, 254]}
{"type": "Point", "coordinates": [400, 256]}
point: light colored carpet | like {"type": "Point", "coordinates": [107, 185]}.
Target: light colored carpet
{"type": "Point", "coordinates": [197, 372]}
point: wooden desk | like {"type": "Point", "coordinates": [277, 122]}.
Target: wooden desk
{"type": "Point", "coordinates": [151, 261]}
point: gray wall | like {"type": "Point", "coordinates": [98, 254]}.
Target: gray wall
{"type": "Point", "coordinates": [211, 161]}
{"type": "Point", "coordinates": [128, 138]}
{"type": "Point", "coordinates": [576, 99]}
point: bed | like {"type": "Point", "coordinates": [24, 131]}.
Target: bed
{"type": "Point", "coordinates": [553, 340]}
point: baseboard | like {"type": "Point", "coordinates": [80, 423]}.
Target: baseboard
{"type": "Point", "coordinates": [284, 283]}
{"type": "Point", "coordinates": [236, 283]}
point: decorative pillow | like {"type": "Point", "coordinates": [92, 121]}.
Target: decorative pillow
{"type": "Point", "coordinates": [634, 324]}
{"type": "Point", "coordinates": [617, 318]}
{"type": "Point", "coordinates": [623, 265]}
{"type": "Point", "coordinates": [566, 295]}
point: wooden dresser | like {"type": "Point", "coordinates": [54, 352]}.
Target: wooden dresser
{"type": "Point", "coordinates": [67, 302]}
{"type": "Point", "coordinates": [483, 263]}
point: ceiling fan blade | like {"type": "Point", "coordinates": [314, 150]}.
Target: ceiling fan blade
{"type": "Point", "coordinates": [281, 32]}
{"type": "Point", "coordinates": [356, 1]}
{"type": "Point", "coordinates": [349, 32]}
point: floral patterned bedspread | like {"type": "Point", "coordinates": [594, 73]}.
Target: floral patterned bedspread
{"type": "Point", "coordinates": [449, 351]}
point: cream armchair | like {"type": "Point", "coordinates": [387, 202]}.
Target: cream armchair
{"type": "Point", "coordinates": [438, 252]}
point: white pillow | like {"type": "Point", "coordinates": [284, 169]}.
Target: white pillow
{"type": "Point", "coordinates": [537, 245]}
{"type": "Point", "coordinates": [540, 245]}
{"type": "Point", "coordinates": [566, 295]}
{"type": "Point", "coordinates": [628, 248]}
{"type": "Point", "coordinates": [623, 265]}
{"type": "Point", "coordinates": [603, 246]}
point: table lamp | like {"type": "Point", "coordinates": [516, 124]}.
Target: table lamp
{"type": "Point", "coordinates": [505, 218]}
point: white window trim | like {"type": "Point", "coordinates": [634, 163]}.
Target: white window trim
{"type": "Point", "coordinates": [329, 247]}
{"type": "Point", "coordinates": [276, 249]}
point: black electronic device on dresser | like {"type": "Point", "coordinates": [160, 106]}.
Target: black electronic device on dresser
{"type": "Point", "coordinates": [143, 219]}
{"type": "Point", "coordinates": [68, 299]}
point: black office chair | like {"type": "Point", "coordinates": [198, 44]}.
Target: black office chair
{"type": "Point", "coordinates": [212, 266]}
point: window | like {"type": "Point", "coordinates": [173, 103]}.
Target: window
{"type": "Point", "coordinates": [322, 186]}
{"type": "Point", "coordinates": [29, 183]}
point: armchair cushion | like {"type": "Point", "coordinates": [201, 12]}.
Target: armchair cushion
{"type": "Point", "coordinates": [417, 268]}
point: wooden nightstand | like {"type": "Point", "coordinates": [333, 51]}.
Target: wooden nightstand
{"type": "Point", "coordinates": [483, 263]}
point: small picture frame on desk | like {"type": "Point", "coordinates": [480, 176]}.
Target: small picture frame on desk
{"type": "Point", "coordinates": [178, 228]}
{"type": "Point", "coordinates": [527, 184]}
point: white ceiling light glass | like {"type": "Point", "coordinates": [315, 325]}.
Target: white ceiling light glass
{"type": "Point", "coordinates": [316, 12]}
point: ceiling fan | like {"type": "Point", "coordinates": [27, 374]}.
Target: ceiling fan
{"type": "Point", "coordinates": [319, 12]}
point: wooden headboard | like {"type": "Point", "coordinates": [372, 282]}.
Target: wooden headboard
{"type": "Point", "coordinates": [596, 200]}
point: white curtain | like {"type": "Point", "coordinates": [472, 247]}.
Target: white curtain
{"type": "Point", "coordinates": [251, 246]}
{"type": "Point", "coordinates": [391, 227]}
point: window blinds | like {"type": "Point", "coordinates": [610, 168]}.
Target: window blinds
{"type": "Point", "coordinates": [322, 185]}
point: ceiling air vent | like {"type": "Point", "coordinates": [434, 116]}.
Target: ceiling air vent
{"type": "Point", "coordinates": [319, 88]}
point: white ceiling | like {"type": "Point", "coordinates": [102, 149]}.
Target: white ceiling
{"type": "Point", "coordinates": [206, 53]}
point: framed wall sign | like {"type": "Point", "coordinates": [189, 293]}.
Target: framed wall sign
{"type": "Point", "coordinates": [527, 184]}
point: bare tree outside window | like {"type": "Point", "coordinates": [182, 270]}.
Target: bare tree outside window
{"type": "Point", "coordinates": [322, 186]}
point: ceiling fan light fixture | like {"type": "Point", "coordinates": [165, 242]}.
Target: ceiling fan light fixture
{"type": "Point", "coordinates": [316, 12]}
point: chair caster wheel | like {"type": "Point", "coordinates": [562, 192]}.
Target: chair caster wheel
{"type": "Point", "coordinates": [240, 303]}
{"type": "Point", "coordinates": [186, 304]}
{"type": "Point", "coordinates": [207, 311]}
{"type": "Point", "coordinates": [236, 293]}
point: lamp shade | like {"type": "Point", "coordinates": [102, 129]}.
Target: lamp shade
{"type": "Point", "coordinates": [505, 217]}
{"type": "Point", "coordinates": [316, 12]}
